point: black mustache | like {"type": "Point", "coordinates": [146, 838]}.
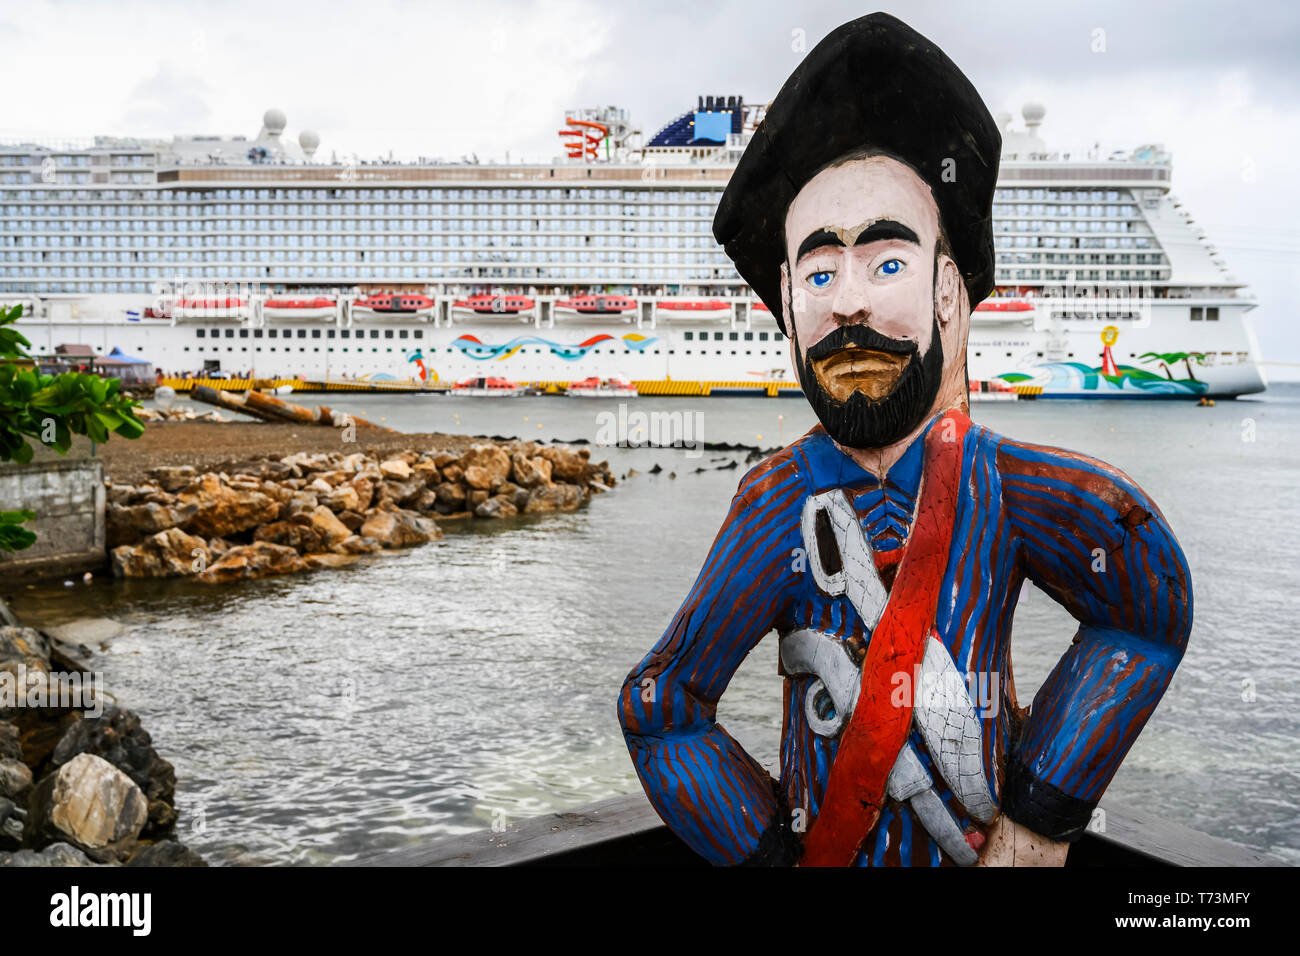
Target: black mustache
{"type": "Point", "coordinates": [858, 336]}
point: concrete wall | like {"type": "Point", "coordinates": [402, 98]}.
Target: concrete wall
{"type": "Point", "coordinates": [67, 495]}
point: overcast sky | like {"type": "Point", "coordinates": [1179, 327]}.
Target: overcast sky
{"type": "Point", "coordinates": [1215, 83]}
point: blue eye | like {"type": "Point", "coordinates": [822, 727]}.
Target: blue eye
{"type": "Point", "coordinates": [891, 268]}
{"type": "Point", "coordinates": [821, 279]}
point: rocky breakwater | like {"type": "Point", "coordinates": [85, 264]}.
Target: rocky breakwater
{"type": "Point", "coordinates": [80, 782]}
{"type": "Point", "coordinates": [307, 511]}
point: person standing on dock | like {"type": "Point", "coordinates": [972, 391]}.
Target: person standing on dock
{"type": "Point", "coordinates": [888, 546]}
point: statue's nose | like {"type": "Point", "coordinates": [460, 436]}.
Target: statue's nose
{"type": "Point", "coordinates": [852, 299]}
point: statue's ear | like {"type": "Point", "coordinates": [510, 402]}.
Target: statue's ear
{"type": "Point", "coordinates": [787, 312]}
{"type": "Point", "coordinates": [785, 299]}
{"type": "Point", "coordinates": [947, 291]}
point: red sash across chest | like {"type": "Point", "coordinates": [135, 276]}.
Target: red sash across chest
{"type": "Point", "coordinates": [878, 728]}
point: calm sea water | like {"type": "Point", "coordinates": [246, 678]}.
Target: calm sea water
{"type": "Point", "coordinates": [320, 717]}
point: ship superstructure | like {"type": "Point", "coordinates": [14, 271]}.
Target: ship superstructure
{"type": "Point", "coordinates": [259, 257]}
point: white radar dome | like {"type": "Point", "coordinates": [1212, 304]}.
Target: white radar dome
{"type": "Point", "coordinates": [274, 120]}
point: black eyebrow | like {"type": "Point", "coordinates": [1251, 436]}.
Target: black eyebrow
{"type": "Point", "coordinates": [877, 231]}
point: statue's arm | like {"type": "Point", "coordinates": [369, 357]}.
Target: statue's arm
{"type": "Point", "coordinates": [704, 785]}
{"type": "Point", "coordinates": [1091, 539]}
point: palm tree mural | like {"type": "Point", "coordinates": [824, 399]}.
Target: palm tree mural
{"type": "Point", "coordinates": [1168, 358]}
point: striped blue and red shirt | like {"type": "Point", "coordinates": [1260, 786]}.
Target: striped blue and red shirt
{"type": "Point", "coordinates": [1082, 531]}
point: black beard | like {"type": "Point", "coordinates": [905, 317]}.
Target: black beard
{"type": "Point", "coordinates": [861, 422]}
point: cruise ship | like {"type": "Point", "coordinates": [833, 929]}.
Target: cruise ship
{"type": "Point", "coordinates": [255, 259]}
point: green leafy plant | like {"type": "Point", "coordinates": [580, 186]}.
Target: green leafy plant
{"type": "Point", "coordinates": [50, 409]}
{"type": "Point", "coordinates": [13, 536]}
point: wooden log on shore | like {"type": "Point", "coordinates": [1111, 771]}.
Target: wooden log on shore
{"type": "Point", "coordinates": [271, 409]}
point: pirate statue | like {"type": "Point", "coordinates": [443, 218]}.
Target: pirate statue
{"type": "Point", "coordinates": [887, 547]}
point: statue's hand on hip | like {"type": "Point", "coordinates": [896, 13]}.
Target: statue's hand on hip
{"type": "Point", "coordinates": [1007, 843]}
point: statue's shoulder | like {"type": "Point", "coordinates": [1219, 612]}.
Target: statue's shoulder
{"type": "Point", "coordinates": [1044, 477]}
{"type": "Point", "coordinates": [1017, 457]}
{"type": "Point", "coordinates": [787, 468]}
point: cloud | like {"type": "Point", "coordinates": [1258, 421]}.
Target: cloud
{"type": "Point", "coordinates": [167, 102]}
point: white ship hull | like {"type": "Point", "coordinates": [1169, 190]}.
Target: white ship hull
{"type": "Point", "coordinates": [1162, 354]}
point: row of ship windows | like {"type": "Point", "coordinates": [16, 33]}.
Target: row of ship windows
{"type": "Point", "coordinates": [77, 159]}
{"type": "Point", "coordinates": [244, 227]}
{"type": "Point", "coordinates": [658, 274]}
{"type": "Point", "coordinates": [550, 257]}
{"type": "Point", "coordinates": [1068, 195]}
{"type": "Point", "coordinates": [1076, 274]}
{"type": "Point", "coordinates": [671, 270]}
{"type": "Point", "coordinates": [536, 351]}
{"type": "Point", "coordinates": [1067, 225]}
{"type": "Point", "coordinates": [1052, 242]}
{"type": "Point", "coordinates": [1126, 211]}
{"type": "Point", "coordinates": [1122, 258]}
{"type": "Point", "coordinates": [73, 179]}
{"type": "Point", "coordinates": [218, 332]}
{"type": "Point", "coordinates": [57, 255]}
{"type": "Point", "coordinates": [334, 241]}
{"type": "Point", "coordinates": [367, 210]}
{"type": "Point", "coordinates": [569, 194]}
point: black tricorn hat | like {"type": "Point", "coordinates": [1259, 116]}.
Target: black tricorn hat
{"type": "Point", "coordinates": [872, 84]}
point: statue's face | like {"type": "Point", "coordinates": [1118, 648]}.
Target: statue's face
{"type": "Point", "coordinates": [859, 287]}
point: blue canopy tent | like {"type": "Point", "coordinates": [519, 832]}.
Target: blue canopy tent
{"type": "Point", "coordinates": [128, 368]}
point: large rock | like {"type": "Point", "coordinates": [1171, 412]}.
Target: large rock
{"type": "Point", "coordinates": [299, 502]}
{"type": "Point", "coordinates": [493, 459]}
{"type": "Point", "coordinates": [354, 462]}
{"type": "Point", "coordinates": [566, 464]}
{"type": "Point", "coordinates": [15, 779]}
{"type": "Point", "coordinates": [23, 645]}
{"type": "Point", "coordinates": [365, 489]}
{"type": "Point", "coordinates": [258, 560]}
{"type": "Point", "coordinates": [56, 854]}
{"type": "Point", "coordinates": [395, 468]}
{"type": "Point", "coordinates": [426, 500]}
{"type": "Point", "coordinates": [125, 524]}
{"type": "Point", "coordinates": [530, 472]}
{"type": "Point", "coordinates": [427, 472]}
{"type": "Point", "coordinates": [223, 511]}
{"type": "Point", "coordinates": [398, 492]}
{"type": "Point", "coordinates": [357, 545]}
{"type": "Point", "coordinates": [553, 498]}
{"type": "Point", "coordinates": [166, 853]}
{"type": "Point", "coordinates": [90, 804]}
{"type": "Point", "coordinates": [451, 495]}
{"type": "Point", "coordinates": [167, 554]}
{"type": "Point", "coordinates": [478, 478]}
{"type": "Point", "coordinates": [399, 529]}
{"type": "Point", "coordinates": [24, 652]}
{"type": "Point", "coordinates": [342, 498]}
{"type": "Point", "coordinates": [11, 825]}
{"type": "Point", "coordinates": [351, 520]}
{"type": "Point", "coordinates": [117, 736]}
{"type": "Point", "coordinates": [297, 534]}
{"type": "Point", "coordinates": [10, 747]}
{"type": "Point", "coordinates": [304, 462]}
{"type": "Point", "coordinates": [330, 529]}
{"type": "Point", "coordinates": [498, 506]}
